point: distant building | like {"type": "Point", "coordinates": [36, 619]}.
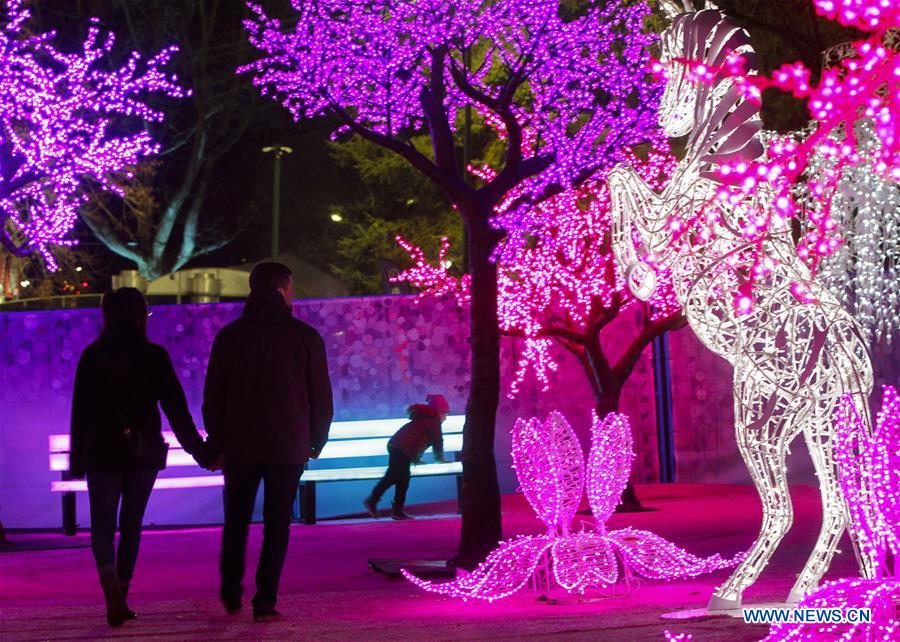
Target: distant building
{"type": "Point", "coordinates": [210, 284]}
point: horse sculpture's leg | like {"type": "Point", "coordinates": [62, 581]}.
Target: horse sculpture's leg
{"type": "Point", "coordinates": [819, 437]}
{"type": "Point", "coordinates": [834, 517]}
{"type": "Point", "coordinates": [763, 427]}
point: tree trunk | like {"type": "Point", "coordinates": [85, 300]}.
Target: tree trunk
{"type": "Point", "coordinates": [480, 495]}
{"type": "Point", "coordinates": [607, 393]}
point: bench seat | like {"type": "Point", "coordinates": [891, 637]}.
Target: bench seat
{"type": "Point", "coordinates": [348, 441]}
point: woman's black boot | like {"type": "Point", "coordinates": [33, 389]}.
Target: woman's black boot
{"type": "Point", "coordinates": [116, 610]}
{"type": "Point", "coordinates": [129, 614]}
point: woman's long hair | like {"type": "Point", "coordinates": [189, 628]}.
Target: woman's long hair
{"type": "Point", "coordinates": [124, 315]}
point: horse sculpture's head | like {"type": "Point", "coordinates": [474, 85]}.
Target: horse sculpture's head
{"type": "Point", "coordinates": [720, 120]}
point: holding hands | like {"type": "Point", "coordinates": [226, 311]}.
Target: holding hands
{"type": "Point", "coordinates": [209, 458]}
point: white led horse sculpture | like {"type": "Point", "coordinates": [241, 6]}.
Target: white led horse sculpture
{"type": "Point", "coordinates": [792, 361]}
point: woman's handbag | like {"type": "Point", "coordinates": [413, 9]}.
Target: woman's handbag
{"type": "Point", "coordinates": [137, 450]}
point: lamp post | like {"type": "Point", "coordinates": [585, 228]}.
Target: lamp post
{"type": "Point", "coordinates": [279, 150]}
{"type": "Point", "coordinates": [467, 152]}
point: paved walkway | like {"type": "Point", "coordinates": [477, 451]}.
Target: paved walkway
{"type": "Point", "coordinates": [328, 592]}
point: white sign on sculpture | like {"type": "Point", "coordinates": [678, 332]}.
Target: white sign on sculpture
{"type": "Point", "coordinates": [793, 357]}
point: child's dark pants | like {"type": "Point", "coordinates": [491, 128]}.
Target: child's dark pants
{"type": "Point", "coordinates": [397, 475]}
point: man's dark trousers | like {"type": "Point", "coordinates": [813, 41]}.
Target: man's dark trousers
{"type": "Point", "coordinates": [280, 483]}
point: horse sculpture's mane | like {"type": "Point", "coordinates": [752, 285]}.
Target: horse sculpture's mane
{"type": "Point", "coordinates": [725, 123]}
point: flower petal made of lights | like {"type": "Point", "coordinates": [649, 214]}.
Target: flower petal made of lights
{"type": "Point", "coordinates": [655, 557]}
{"type": "Point", "coordinates": [504, 572]}
{"type": "Point", "coordinates": [549, 464]}
{"type": "Point", "coordinates": [609, 463]}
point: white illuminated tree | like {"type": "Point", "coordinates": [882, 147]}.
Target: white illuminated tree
{"type": "Point", "coordinates": [864, 272]}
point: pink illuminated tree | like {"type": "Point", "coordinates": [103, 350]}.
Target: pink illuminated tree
{"type": "Point", "coordinates": [67, 121]}
{"type": "Point", "coordinates": [560, 283]}
{"type": "Point", "coordinates": [389, 68]}
{"type": "Point", "coordinates": [558, 280]}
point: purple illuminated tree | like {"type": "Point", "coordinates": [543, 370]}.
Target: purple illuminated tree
{"type": "Point", "coordinates": [66, 120]}
{"type": "Point", "coordinates": [389, 68]}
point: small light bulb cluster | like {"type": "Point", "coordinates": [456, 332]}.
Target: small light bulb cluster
{"type": "Point", "coordinates": [433, 280]}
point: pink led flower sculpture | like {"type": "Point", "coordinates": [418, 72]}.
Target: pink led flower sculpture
{"type": "Point", "coordinates": [64, 121]}
{"type": "Point", "coordinates": [553, 475]}
{"type": "Point", "coordinates": [874, 501]}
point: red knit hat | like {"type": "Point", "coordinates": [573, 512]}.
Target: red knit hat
{"type": "Point", "coordinates": [438, 403]}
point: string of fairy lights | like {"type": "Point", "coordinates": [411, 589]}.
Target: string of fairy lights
{"type": "Point", "coordinates": [864, 270]}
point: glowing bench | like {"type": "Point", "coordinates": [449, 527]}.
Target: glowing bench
{"type": "Point", "coordinates": [347, 440]}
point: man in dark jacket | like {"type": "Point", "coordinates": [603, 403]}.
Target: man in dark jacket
{"type": "Point", "coordinates": [267, 406]}
{"type": "Point", "coordinates": [408, 444]}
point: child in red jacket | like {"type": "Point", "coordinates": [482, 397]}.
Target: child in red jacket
{"type": "Point", "coordinates": [407, 446]}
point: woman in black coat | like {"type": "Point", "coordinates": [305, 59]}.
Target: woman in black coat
{"type": "Point", "coordinates": [117, 439]}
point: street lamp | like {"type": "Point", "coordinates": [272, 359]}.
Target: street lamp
{"type": "Point", "coordinates": [280, 150]}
